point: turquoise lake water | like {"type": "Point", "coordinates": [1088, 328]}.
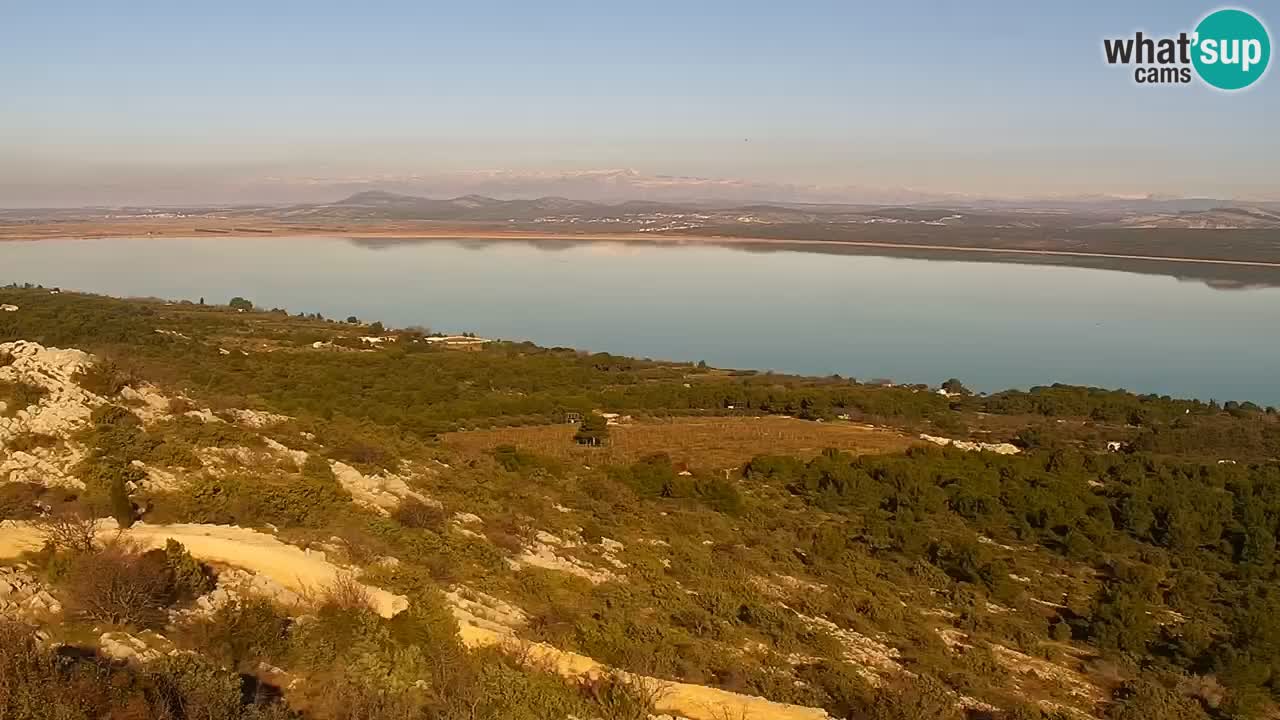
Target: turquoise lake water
{"type": "Point", "coordinates": [992, 325]}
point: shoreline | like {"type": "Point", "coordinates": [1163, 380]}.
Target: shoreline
{"type": "Point", "coordinates": [459, 234]}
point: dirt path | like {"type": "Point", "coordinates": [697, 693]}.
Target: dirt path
{"type": "Point", "coordinates": [302, 570]}
{"type": "Point", "coordinates": [297, 569]}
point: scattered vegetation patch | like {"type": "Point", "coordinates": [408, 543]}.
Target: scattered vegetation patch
{"type": "Point", "coordinates": [119, 583]}
{"type": "Point", "coordinates": [76, 684]}
{"type": "Point", "coordinates": [254, 500]}
{"type": "Point", "coordinates": [28, 441]}
{"type": "Point", "coordinates": [19, 395]}
{"type": "Point", "coordinates": [414, 513]}
{"type": "Point", "coordinates": [104, 377]}
{"type": "Point", "coordinates": [26, 500]}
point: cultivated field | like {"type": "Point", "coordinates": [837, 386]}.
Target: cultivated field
{"type": "Point", "coordinates": [720, 442]}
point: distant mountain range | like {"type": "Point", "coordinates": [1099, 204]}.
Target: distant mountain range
{"type": "Point", "coordinates": [1098, 211]}
{"type": "Point", "coordinates": [370, 206]}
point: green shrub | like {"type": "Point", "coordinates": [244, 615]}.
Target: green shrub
{"type": "Point", "coordinates": [284, 501]}
{"type": "Point", "coordinates": [366, 452]}
{"type": "Point", "coordinates": [243, 633]}
{"type": "Point", "coordinates": [429, 625]}
{"type": "Point", "coordinates": [720, 495]}
{"type": "Point", "coordinates": [106, 482]}
{"type": "Point", "coordinates": [1147, 699]}
{"type": "Point", "coordinates": [414, 513]}
{"type": "Point", "coordinates": [593, 431]}
{"type": "Point", "coordinates": [316, 467]}
{"type": "Point", "coordinates": [28, 441]}
{"type": "Point", "coordinates": [111, 414]}
{"type": "Point", "coordinates": [1121, 620]}
{"type": "Point", "coordinates": [121, 506]}
{"type": "Point", "coordinates": [616, 697]}
{"type": "Point", "coordinates": [912, 699]}
{"type": "Point", "coordinates": [506, 691]}
{"type": "Point", "coordinates": [38, 683]}
{"type": "Point", "coordinates": [185, 682]}
{"type": "Point", "coordinates": [193, 432]}
{"type": "Point", "coordinates": [191, 579]}
{"type": "Point", "coordinates": [845, 693]}
{"type": "Point", "coordinates": [104, 378]}
{"type": "Point", "coordinates": [335, 630]}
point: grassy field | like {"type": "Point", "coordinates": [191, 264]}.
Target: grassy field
{"type": "Point", "coordinates": [721, 442]}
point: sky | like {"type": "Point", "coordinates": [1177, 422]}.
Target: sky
{"type": "Point", "coordinates": [231, 101]}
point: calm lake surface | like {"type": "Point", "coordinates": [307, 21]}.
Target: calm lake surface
{"type": "Point", "coordinates": [992, 325]}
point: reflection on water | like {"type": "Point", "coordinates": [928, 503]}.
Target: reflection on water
{"type": "Point", "coordinates": [993, 325]}
{"type": "Point", "coordinates": [1217, 276]}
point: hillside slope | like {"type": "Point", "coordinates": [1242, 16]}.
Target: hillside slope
{"type": "Point", "coordinates": [411, 529]}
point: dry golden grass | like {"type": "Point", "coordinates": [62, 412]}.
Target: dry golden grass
{"type": "Point", "coordinates": [720, 442]}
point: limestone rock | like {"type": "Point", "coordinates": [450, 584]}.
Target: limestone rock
{"type": "Point", "coordinates": [381, 492]}
{"type": "Point", "coordinates": [472, 607]}
{"type": "Point", "coordinates": [542, 553]}
{"type": "Point", "coordinates": [64, 409]}
{"type": "Point", "coordinates": [23, 595]}
{"type": "Point", "coordinates": [256, 418]}
{"type": "Point", "coordinates": [142, 648]}
{"type": "Point", "coordinates": [968, 446]}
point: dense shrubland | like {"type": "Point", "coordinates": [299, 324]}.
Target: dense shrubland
{"type": "Point", "coordinates": [1150, 570]}
{"type": "Point", "coordinates": [1169, 565]}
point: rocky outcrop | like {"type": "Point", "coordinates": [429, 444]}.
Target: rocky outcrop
{"type": "Point", "coordinates": [1038, 671]}
{"type": "Point", "coordinates": [42, 466]}
{"type": "Point", "coordinates": [144, 647]}
{"type": "Point", "coordinates": [472, 607]}
{"type": "Point", "coordinates": [157, 479]}
{"type": "Point", "coordinates": [64, 409]}
{"type": "Point", "coordinates": [234, 585]}
{"type": "Point", "coordinates": [546, 552]}
{"type": "Point", "coordinates": [870, 658]}
{"type": "Point", "coordinates": [256, 418]}
{"type": "Point", "coordinates": [22, 594]}
{"type": "Point", "coordinates": [970, 446]}
{"type": "Point", "coordinates": [382, 493]}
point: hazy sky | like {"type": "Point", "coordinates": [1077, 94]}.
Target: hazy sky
{"type": "Point", "coordinates": [149, 102]}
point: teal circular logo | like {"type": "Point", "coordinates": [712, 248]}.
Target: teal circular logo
{"type": "Point", "coordinates": [1232, 49]}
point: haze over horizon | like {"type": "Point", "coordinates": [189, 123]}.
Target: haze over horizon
{"type": "Point", "coordinates": [729, 102]}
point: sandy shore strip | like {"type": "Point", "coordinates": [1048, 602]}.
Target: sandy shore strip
{"type": "Point", "coordinates": [73, 231]}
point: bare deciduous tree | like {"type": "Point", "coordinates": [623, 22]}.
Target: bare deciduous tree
{"type": "Point", "coordinates": [121, 584]}
{"type": "Point", "coordinates": [69, 531]}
